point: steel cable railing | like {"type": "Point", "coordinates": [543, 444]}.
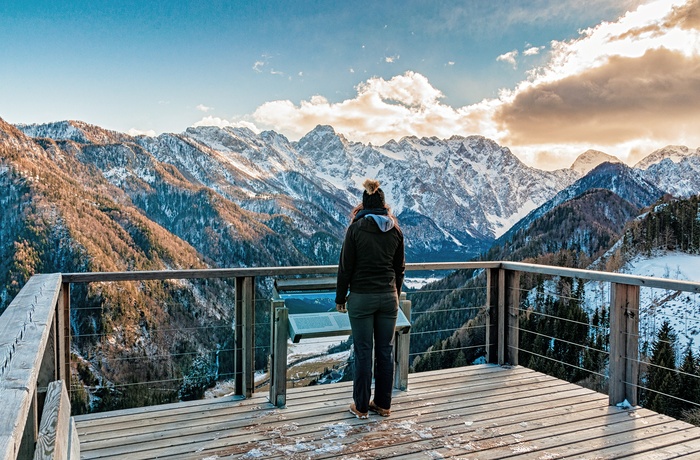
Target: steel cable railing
{"type": "Point", "coordinates": [456, 321]}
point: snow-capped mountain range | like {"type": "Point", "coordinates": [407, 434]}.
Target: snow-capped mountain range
{"type": "Point", "coordinates": [453, 196]}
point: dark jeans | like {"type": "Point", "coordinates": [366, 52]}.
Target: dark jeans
{"type": "Point", "coordinates": [373, 319]}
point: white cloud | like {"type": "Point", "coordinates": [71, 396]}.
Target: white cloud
{"type": "Point", "coordinates": [258, 66]}
{"type": "Point", "coordinates": [610, 89]}
{"type": "Point", "coordinates": [392, 59]}
{"type": "Point", "coordinates": [223, 123]}
{"type": "Point", "coordinates": [140, 132]}
{"type": "Point", "coordinates": [532, 51]}
{"type": "Point", "coordinates": [204, 108]}
{"type": "Point", "coordinates": [450, 63]}
{"type": "Point", "coordinates": [509, 57]}
{"type": "Point", "coordinates": [382, 110]}
{"type": "Point", "coordinates": [634, 78]}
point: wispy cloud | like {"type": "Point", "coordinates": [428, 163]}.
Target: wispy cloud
{"type": "Point", "coordinates": [258, 66]}
{"type": "Point", "coordinates": [204, 108]}
{"type": "Point", "coordinates": [391, 59]}
{"type": "Point", "coordinates": [263, 66]}
{"type": "Point", "coordinates": [624, 87]}
{"type": "Point", "coordinates": [509, 57]}
{"type": "Point", "coordinates": [532, 51]}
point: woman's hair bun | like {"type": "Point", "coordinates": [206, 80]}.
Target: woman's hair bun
{"type": "Point", "coordinates": [371, 185]}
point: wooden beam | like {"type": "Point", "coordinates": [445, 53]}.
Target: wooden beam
{"type": "Point", "coordinates": [492, 291]}
{"type": "Point", "coordinates": [676, 285]}
{"type": "Point", "coordinates": [512, 318]}
{"type": "Point", "coordinates": [624, 344]}
{"type": "Point", "coordinates": [502, 303]}
{"type": "Point", "coordinates": [73, 441]}
{"type": "Point", "coordinates": [92, 277]}
{"type": "Point", "coordinates": [501, 322]}
{"type": "Point", "coordinates": [55, 428]}
{"type": "Point", "coordinates": [64, 336]}
{"type": "Point", "coordinates": [594, 275]}
{"type": "Point", "coordinates": [238, 338]}
{"type": "Point", "coordinates": [245, 336]}
{"type": "Point", "coordinates": [24, 335]}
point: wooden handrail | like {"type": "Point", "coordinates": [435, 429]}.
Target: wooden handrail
{"type": "Point", "coordinates": [594, 275]}
{"type": "Point", "coordinates": [27, 331]}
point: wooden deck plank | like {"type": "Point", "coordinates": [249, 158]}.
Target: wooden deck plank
{"type": "Point", "coordinates": [495, 389]}
{"type": "Point", "coordinates": [92, 431]}
{"type": "Point", "coordinates": [192, 408]}
{"type": "Point", "coordinates": [493, 411]}
{"type": "Point", "coordinates": [310, 416]}
{"type": "Point", "coordinates": [335, 415]}
{"type": "Point", "coordinates": [443, 436]}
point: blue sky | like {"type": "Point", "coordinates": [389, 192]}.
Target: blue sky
{"type": "Point", "coordinates": [375, 70]}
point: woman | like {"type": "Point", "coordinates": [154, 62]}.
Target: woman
{"type": "Point", "coordinates": [372, 265]}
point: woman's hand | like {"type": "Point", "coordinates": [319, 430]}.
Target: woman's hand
{"type": "Point", "coordinates": [340, 307]}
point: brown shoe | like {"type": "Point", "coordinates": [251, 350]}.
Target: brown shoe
{"type": "Point", "coordinates": [383, 412]}
{"type": "Point", "coordinates": [357, 413]}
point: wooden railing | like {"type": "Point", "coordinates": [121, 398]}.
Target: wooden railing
{"type": "Point", "coordinates": [35, 339]}
{"type": "Point", "coordinates": [32, 355]}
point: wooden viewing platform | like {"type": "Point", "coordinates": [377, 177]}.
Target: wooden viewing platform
{"type": "Point", "coordinates": [475, 412]}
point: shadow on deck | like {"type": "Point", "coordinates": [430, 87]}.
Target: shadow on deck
{"type": "Point", "coordinates": [476, 412]}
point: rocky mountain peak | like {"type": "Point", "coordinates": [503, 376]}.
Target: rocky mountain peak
{"type": "Point", "coordinates": [675, 153]}
{"type": "Point", "coordinates": [590, 159]}
{"type": "Point", "coordinates": [76, 131]}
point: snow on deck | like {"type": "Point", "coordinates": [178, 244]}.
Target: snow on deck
{"type": "Point", "coordinates": [483, 411]}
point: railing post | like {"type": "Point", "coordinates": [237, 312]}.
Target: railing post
{"type": "Point", "coordinates": [624, 343]}
{"type": "Point", "coordinates": [511, 323]}
{"type": "Point", "coordinates": [502, 303]}
{"type": "Point", "coordinates": [245, 336]}
{"type": "Point", "coordinates": [278, 353]}
{"type": "Point", "coordinates": [63, 322]}
{"type": "Point", "coordinates": [492, 315]}
{"type": "Point", "coordinates": [401, 348]}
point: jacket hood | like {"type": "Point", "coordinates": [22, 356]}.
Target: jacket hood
{"type": "Point", "coordinates": [385, 223]}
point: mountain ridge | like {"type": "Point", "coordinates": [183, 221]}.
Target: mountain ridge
{"type": "Point", "coordinates": [89, 199]}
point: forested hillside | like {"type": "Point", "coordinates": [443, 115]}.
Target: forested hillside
{"type": "Point", "coordinates": [572, 234]}
{"type": "Point", "coordinates": [59, 216]}
{"type": "Point", "coordinates": [577, 233]}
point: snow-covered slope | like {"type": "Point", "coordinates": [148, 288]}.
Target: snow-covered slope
{"type": "Point", "coordinates": [453, 196]}
{"type": "Point", "coordinates": [675, 153]}
{"type": "Point", "coordinates": [680, 309]}
{"type": "Point", "coordinates": [590, 159]}
{"type": "Point", "coordinates": [468, 186]}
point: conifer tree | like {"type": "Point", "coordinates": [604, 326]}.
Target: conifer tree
{"type": "Point", "coordinates": [689, 378]}
{"type": "Point", "coordinates": [662, 379]}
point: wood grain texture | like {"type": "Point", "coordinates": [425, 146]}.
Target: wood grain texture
{"type": "Point", "coordinates": [55, 427]}
{"type": "Point", "coordinates": [483, 411]}
{"type": "Point", "coordinates": [25, 328]}
{"type": "Point", "coordinates": [332, 269]}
